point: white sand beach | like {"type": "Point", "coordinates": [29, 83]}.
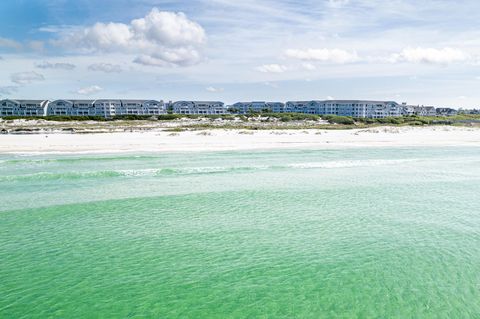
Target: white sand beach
{"type": "Point", "coordinates": [219, 140]}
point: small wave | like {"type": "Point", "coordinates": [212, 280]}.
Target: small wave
{"type": "Point", "coordinates": [58, 176]}
{"type": "Point", "coordinates": [70, 160]}
{"type": "Point", "coordinates": [207, 170]}
{"type": "Point", "coordinates": [351, 163]}
{"type": "Point", "coordinates": [169, 171]}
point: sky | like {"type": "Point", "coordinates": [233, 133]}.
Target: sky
{"type": "Point", "coordinates": [421, 52]}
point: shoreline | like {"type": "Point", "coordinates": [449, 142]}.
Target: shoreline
{"type": "Point", "coordinates": [236, 140]}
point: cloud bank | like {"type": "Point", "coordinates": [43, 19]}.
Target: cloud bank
{"type": "Point", "coordinates": [89, 90]}
{"type": "Point", "coordinates": [337, 56]}
{"type": "Point", "coordinates": [26, 77]}
{"type": "Point", "coordinates": [161, 38]}
{"type": "Point", "coordinates": [430, 56]}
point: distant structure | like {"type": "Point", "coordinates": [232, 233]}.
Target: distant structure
{"type": "Point", "coordinates": [353, 108]}
{"type": "Point", "coordinates": [257, 107]}
{"type": "Point", "coordinates": [23, 107]}
{"type": "Point", "coordinates": [199, 107]}
{"type": "Point", "coordinates": [445, 111]}
{"type": "Point", "coordinates": [111, 108]}
{"type": "Point", "coordinates": [106, 108]}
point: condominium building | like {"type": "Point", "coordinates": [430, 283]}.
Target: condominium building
{"type": "Point", "coordinates": [111, 108]}
{"type": "Point", "coordinates": [72, 107]}
{"type": "Point", "coordinates": [353, 108]}
{"type": "Point", "coordinates": [199, 107]}
{"type": "Point", "coordinates": [141, 107]}
{"type": "Point", "coordinates": [258, 107]}
{"type": "Point", "coordinates": [23, 107]}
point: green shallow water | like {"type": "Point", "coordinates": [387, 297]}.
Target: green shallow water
{"type": "Point", "coordinates": [367, 233]}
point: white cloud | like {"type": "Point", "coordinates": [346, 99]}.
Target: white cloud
{"type": "Point", "coordinates": [337, 56]}
{"type": "Point", "coordinates": [11, 44]}
{"type": "Point", "coordinates": [430, 55]}
{"type": "Point", "coordinates": [271, 84]}
{"type": "Point", "coordinates": [170, 57]}
{"type": "Point", "coordinates": [105, 67]}
{"type": "Point", "coordinates": [330, 98]}
{"type": "Point", "coordinates": [26, 77]}
{"type": "Point", "coordinates": [89, 90]}
{"type": "Point", "coordinates": [61, 66]}
{"type": "Point", "coordinates": [272, 68]}
{"type": "Point", "coordinates": [309, 66]}
{"type": "Point", "coordinates": [338, 3]}
{"type": "Point", "coordinates": [168, 28]}
{"type": "Point", "coordinates": [162, 38]}
{"type": "Point", "coordinates": [214, 89]}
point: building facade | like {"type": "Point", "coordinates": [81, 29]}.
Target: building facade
{"type": "Point", "coordinates": [445, 111]}
{"type": "Point", "coordinates": [425, 111]}
{"type": "Point", "coordinates": [72, 108]}
{"type": "Point", "coordinates": [111, 108]}
{"type": "Point", "coordinates": [23, 107]}
{"type": "Point", "coordinates": [257, 107]}
{"type": "Point", "coordinates": [353, 108]}
{"type": "Point", "coordinates": [199, 107]}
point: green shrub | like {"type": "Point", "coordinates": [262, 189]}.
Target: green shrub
{"type": "Point", "coordinates": [335, 119]}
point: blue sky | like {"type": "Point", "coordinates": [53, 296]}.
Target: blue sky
{"type": "Point", "coordinates": [424, 52]}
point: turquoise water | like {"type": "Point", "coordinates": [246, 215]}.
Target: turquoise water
{"type": "Point", "coordinates": [360, 233]}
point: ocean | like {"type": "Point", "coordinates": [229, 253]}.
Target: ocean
{"type": "Point", "coordinates": [347, 233]}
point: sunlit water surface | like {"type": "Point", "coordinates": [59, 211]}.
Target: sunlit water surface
{"type": "Point", "coordinates": [367, 233]}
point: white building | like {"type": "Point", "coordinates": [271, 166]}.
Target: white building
{"type": "Point", "coordinates": [408, 110]}
{"type": "Point", "coordinates": [425, 111]}
{"type": "Point", "coordinates": [353, 108]}
{"type": "Point", "coordinates": [141, 107]}
{"type": "Point", "coordinates": [72, 108]}
{"type": "Point", "coordinates": [23, 107]}
{"type": "Point", "coordinates": [199, 107]}
{"type": "Point", "coordinates": [307, 107]}
{"type": "Point", "coordinates": [258, 107]}
{"type": "Point", "coordinates": [107, 108]}
{"type": "Point", "coordinates": [445, 111]}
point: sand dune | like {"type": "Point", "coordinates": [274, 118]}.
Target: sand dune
{"type": "Point", "coordinates": [219, 139]}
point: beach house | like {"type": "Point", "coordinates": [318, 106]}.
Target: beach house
{"type": "Point", "coordinates": [199, 107]}
{"type": "Point", "coordinates": [141, 107]}
{"type": "Point", "coordinates": [23, 107]}
{"type": "Point", "coordinates": [72, 107]}
{"type": "Point", "coordinates": [107, 108]}
{"type": "Point", "coordinates": [425, 111]}
{"type": "Point", "coordinates": [257, 107]}
{"type": "Point", "coordinates": [445, 111]}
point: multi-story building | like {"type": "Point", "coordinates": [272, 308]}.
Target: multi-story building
{"type": "Point", "coordinates": [107, 108]}
{"type": "Point", "coordinates": [425, 111]}
{"type": "Point", "coordinates": [72, 107]}
{"type": "Point", "coordinates": [258, 107]}
{"type": "Point", "coordinates": [408, 110]}
{"type": "Point", "coordinates": [353, 108]}
{"type": "Point", "coordinates": [141, 107]}
{"type": "Point", "coordinates": [307, 107]}
{"type": "Point", "coordinates": [111, 108]}
{"type": "Point", "coordinates": [445, 111]}
{"type": "Point", "coordinates": [23, 107]}
{"type": "Point", "coordinates": [199, 107]}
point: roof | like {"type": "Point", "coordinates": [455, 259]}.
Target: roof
{"type": "Point", "coordinates": [202, 102]}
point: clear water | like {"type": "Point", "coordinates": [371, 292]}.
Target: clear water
{"type": "Point", "coordinates": [364, 233]}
